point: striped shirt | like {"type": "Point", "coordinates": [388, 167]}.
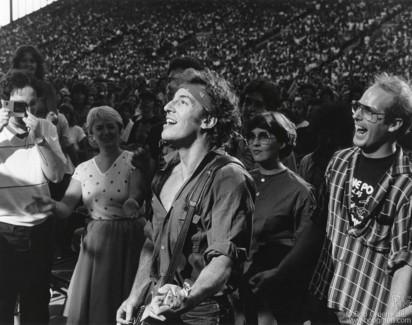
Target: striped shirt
{"type": "Point", "coordinates": [355, 269]}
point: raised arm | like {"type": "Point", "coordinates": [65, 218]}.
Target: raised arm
{"type": "Point", "coordinates": [52, 160]}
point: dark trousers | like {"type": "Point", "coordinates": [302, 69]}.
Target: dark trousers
{"type": "Point", "coordinates": [25, 268]}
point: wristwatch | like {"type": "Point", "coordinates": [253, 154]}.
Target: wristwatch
{"type": "Point", "coordinates": [186, 291]}
{"type": "Point", "coordinates": [41, 141]}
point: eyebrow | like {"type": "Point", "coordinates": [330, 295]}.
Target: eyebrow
{"type": "Point", "coordinates": [192, 100]}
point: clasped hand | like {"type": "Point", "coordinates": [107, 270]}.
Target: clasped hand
{"type": "Point", "coordinates": [40, 204]}
{"type": "Point", "coordinates": [169, 300]}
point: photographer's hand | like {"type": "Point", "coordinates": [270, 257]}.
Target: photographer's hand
{"type": "Point", "coordinates": [32, 123]}
{"type": "Point", "coordinates": [4, 117]}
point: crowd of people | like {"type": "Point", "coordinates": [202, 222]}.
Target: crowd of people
{"type": "Point", "coordinates": [218, 162]}
{"type": "Point", "coordinates": [320, 42]}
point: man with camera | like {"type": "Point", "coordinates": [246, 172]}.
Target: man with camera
{"type": "Point", "coordinates": [30, 157]}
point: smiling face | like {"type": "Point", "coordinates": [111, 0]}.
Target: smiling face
{"type": "Point", "coordinates": [106, 133]}
{"type": "Point", "coordinates": [375, 139]}
{"type": "Point", "coordinates": [263, 153]}
{"type": "Point", "coordinates": [28, 63]}
{"type": "Point", "coordinates": [183, 119]}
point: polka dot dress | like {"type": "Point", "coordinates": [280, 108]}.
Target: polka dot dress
{"type": "Point", "coordinates": [104, 193]}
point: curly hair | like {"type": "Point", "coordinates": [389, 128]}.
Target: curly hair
{"type": "Point", "coordinates": [277, 124]}
{"type": "Point", "coordinates": [17, 79]}
{"type": "Point", "coordinates": [267, 88]}
{"type": "Point", "coordinates": [401, 106]}
{"type": "Point", "coordinates": [185, 62]}
{"type": "Point", "coordinates": [224, 104]}
{"type": "Point", "coordinates": [21, 52]}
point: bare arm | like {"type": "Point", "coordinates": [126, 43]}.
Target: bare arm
{"type": "Point", "coordinates": [52, 160]}
{"type": "Point", "coordinates": [210, 281]}
{"type": "Point", "coordinates": [52, 165]}
{"type": "Point", "coordinates": [400, 307]}
{"type": "Point", "coordinates": [307, 249]}
{"type": "Point", "coordinates": [63, 208]}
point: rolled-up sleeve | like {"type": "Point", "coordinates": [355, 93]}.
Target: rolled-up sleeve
{"type": "Point", "coordinates": [231, 212]}
{"type": "Point", "coordinates": [401, 239]}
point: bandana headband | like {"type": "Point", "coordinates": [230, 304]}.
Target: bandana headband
{"type": "Point", "coordinates": [199, 93]}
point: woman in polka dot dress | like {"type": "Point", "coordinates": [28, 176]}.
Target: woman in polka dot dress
{"type": "Point", "coordinates": [113, 191]}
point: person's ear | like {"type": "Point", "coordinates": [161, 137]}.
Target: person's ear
{"type": "Point", "coordinates": [209, 122]}
{"type": "Point", "coordinates": [395, 124]}
{"type": "Point", "coordinates": [283, 145]}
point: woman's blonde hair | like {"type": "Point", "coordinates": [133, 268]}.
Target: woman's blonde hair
{"type": "Point", "coordinates": [102, 113]}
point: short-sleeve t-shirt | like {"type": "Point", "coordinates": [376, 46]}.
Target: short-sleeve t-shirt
{"type": "Point", "coordinates": [76, 134]}
{"type": "Point", "coordinates": [104, 193]}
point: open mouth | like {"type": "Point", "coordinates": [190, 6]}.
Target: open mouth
{"type": "Point", "coordinates": [170, 121]}
{"type": "Point", "coordinates": [361, 130]}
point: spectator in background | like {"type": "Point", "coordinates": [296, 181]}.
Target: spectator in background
{"type": "Point", "coordinates": [79, 94]}
{"type": "Point", "coordinates": [147, 130]}
{"type": "Point", "coordinates": [76, 134]}
{"type": "Point", "coordinates": [135, 101]}
{"type": "Point", "coordinates": [258, 96]}
{"type": "Point", "coordinates": [30, 158]}
{"type": "Point", "coordinates": [326, 96]}
{"type": "Point", "coordinates": [29, 59]}
{"type": "Point", "coordinates": [304, 142]}
{"type": "Point", "coordinates": [307, 92]}
{"type": "Point", "coordinates": [126, 111]}
{"type": "Point", "coordinates": [332, 127]}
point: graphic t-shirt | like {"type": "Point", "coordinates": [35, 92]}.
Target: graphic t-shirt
{"type": "Point", "coordinates": [368, 172]}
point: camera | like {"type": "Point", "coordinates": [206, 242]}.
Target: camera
{"type": "Point", "coordinates": [18, 109]}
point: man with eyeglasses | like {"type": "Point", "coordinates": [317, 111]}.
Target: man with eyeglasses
{"type": "Point", "coordinates": [364, 272]}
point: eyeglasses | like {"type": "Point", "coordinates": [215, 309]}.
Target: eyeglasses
{"type": "Point", "coordinates": [368, 113]}
{"type": "Point", "coordinates": [263, 138]}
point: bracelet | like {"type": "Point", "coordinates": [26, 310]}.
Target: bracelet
{"type": "Point", "coordinates": [186, 290]}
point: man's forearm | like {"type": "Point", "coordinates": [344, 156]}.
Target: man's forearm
{"type": "Point", "coordinates": [143, 273]}
{"type": "Point", "coordinates": [52, 165]}
{"type": "Point", "coordinates": [399, 306]}
{"type": "Point", "coordinates": [211, 280]}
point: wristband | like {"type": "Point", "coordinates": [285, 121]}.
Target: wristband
{"type": "Point", "coordinates": [186, 291]}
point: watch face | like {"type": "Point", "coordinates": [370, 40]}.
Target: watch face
{"type": "Point", "coordinates": [40, 141]}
